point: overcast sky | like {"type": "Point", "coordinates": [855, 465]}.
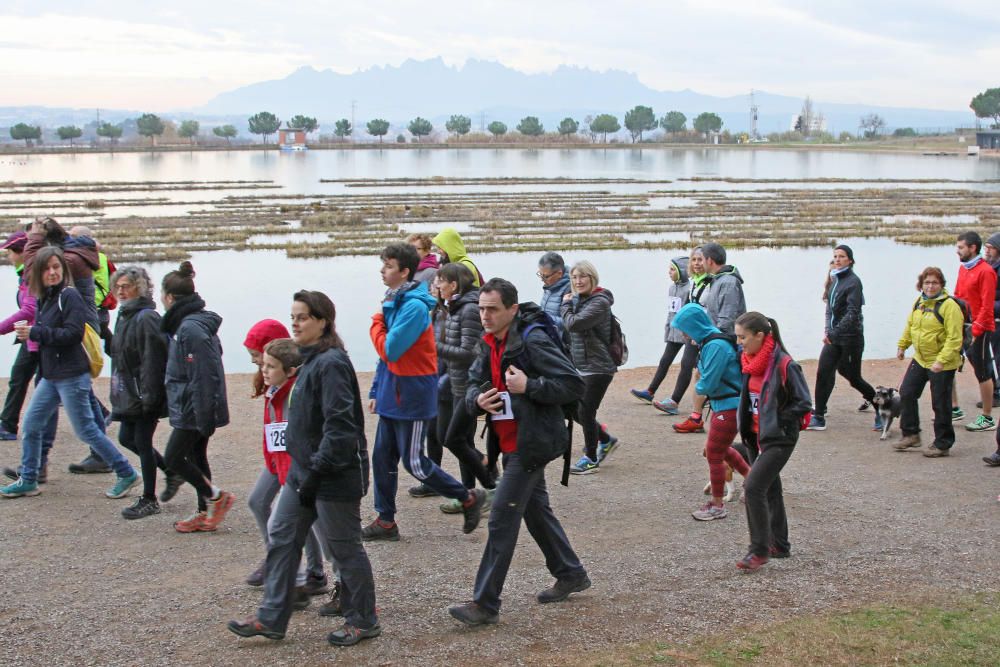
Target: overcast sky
{"type": "Point", "coordinates": [166, 56]}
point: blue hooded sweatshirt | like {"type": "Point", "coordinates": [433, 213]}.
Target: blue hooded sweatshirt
{"type": "Point", "coordinates": [718, 363]}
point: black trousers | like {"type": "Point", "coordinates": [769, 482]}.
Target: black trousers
{"type": "Point", "coordinates": [766, 516]}
{"type": "Point", "coordinates": [843, 358]}
{"type": "Point", "coordinates": [21, 373]}
{"type": "Point", "coordinates": [187, 455]}
{"type": "Point", "coordinates": [669, 354]}
{"type": "Point", "coordinates": [456, 430]}
{"type": "Point", "coordinates": [136, 435]}
{"type": "Point", "coordinates": [910, 391]}
{"type": "Point", "coordinates": [595, 386]}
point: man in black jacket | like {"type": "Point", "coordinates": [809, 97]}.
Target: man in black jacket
{"type": "Point", "coordinates": [523, 380]}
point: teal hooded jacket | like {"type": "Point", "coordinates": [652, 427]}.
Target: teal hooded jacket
{"type": "Point", "coordinates": [719, 364]}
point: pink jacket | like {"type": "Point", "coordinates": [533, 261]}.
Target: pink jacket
{"type": "Point", "coordinates": [26, 311]}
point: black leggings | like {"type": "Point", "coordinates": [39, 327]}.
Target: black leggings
{"type": "Point", "coordinates": [595, 386]}
{"type": "Point", "coordinates": [456, 430]}
{"type": "Point", "coordinates": [843, 358]}
{"type": "Point", "coordinates": [688, 362]}
{"type": "Point", "coordinates": [187, 455]}
{"type": "Point", "coordinates": [136, 435]}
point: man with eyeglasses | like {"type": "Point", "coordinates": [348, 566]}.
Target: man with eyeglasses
{"type": "Point", "coordinates": [555, 284]}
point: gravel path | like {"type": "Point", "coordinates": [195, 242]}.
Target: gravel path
{"type": "Point", "coordinates": [85, 587]}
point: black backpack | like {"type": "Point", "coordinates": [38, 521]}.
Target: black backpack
{"type": "Point", "coordinates": [617, 347]}
{"type": "Point", "coordinates": [966, 317]}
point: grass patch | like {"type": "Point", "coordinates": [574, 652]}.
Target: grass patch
{"type": "Point", "coordinates": [950, 633]}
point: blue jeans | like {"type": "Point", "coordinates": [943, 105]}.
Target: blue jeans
{"type": "Point", "coordinates": [74, 393]}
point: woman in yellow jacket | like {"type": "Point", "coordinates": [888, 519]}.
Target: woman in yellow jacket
{"type": "Point", "coordinates": [934, 329]}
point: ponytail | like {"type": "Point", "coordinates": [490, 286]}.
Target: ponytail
{"type": "Point", "coordinates": [760, 323]}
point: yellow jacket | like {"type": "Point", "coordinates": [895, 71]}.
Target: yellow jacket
{"type": "Point", "coordinates": [933, 341]}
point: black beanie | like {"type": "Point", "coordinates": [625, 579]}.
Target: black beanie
{"type": "Point", "coordinates": [847, 249]}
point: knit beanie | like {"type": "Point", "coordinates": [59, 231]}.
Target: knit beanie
{"type": "Point", "coordinates": [994, 240]}
{"type": "Point", "coordinates": [263, 333]}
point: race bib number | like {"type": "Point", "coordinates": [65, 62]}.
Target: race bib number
{"type": "Point", "coordinates": [274, 436]}
{"type": "Point", "coordinates": [754, 400]}
{"type": "Point", "coordinates": [675, 304]}
{"type": "Point", "coordinates": [506, 412]}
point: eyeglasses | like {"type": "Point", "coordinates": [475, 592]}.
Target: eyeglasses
{"type": "Point", "coordinates": [545, 276]}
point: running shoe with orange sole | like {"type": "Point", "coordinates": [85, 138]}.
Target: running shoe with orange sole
{"type": "Point", "coordinates": [690, 426]}
{"type": "Point", "coordinates": [218, 508]}
{"type": "Point", "coordinates": [196, 523]}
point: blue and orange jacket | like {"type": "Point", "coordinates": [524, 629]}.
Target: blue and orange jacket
{"type": "Point", "coordinates": [406, 381]}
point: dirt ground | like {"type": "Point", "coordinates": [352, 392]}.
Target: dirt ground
{"type": "Point", "coordinates": [85, 587]}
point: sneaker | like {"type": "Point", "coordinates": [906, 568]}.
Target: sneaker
{"type": "Point", "coordinates": [172, 485]}
{"type": "Point", "coordinates": [256, 578]}
{"type": "Point", "coordinates": [122, 485]}
{"type": "Point", "coordinates": [7, 435]}
{"type": "Point", "coordinates": [583, 467]}
{"type": "Point", "coordinates": [865, 406]}
{"type": "Point", "coordinates": [667, 405]}
{"type": "Point", "coordinates": [421, 491]}
{"type": "Point", "coordinates": [315, 585]}
{"type": "Point", "coordinates": [451, 507]}
{"type": "Point", "coordinates": [816, 423]}
{"type": "Point", "coordinates": [333, 607]}
{"type": "Point", "coordinates": [982, 423]}
{"type": "Point", "coordinates": [993, 460]}
{"type": "Point", "coordinates": [142, 508]}
{"type": "Point", "coordinates": [196, 523]}
{"type": "Point", "coordinates": [710, 512]}
{"type": "Point", "coordinates": [775, 552]}
{"type": "Point", "coordinates": [690, 425]}
{"type": "Point", "coordinates": [752, 563]}
{"type": "Point", "coordinates": [379, 530]}
{"type": "Point", "coordinates": [350, 635]}
{"type": "Point", "coordinates": [20, 488]}
{"type": "Point", "coordinates": [906, 442]}
{"type": "Point", "coordinates": [877, 426]}
{"type": "Point", "coordinates": [957, 414]}
{"type": "Point", "coordinates": [218, 508]}
{"type": "Point", "coordinates": [473, 510]}
{"type": "Point", "coordinates": [563, 588]}
{"type": "Point", "coordinates": [89, 465]}
{"type": "Point", "coordinates": [605, 448]}
{"type": "Point", "coordinates": [471, 613]}
{"type": "Point", "coordinates": [253, 628]}
{"type": "Point", "coordinates": [643, 395]}
{"type": "Point", "coordinates": [933, 452]}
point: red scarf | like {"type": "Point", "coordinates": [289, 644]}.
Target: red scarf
{"type": "Point", "coordinates": [756, 364]}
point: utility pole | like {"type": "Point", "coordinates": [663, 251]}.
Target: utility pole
{"type": "Point", "coordinates": [753, 118]}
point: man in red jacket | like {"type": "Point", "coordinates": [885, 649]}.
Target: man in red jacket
{"type": "Point", "coordinates": [976, 285]}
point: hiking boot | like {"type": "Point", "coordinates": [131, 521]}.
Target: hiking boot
{"type": "Point", "coordinates": [471, 613]}
{"type": "Point", "coordinates": [218, 508]}
{"type": "Point", "coordinates": [775, 552]}
{"type": "Point", "coordinates": [644, 395]}
{"type": "Point", "coordinates": [751, 563]}
{"type": "Point", "coordinates": [122, 486]}
{"type": "Point", "coordinates": [20, 488]}
{"type": "Point", "coordinates": [252, 628]}
{"type": "Point", "coordinates": [380, 530]}
{"type": "Point", "coordinates": [667, 405]}
{"type": "Point", "coordinates": [7, 435]}
{"type": "Point", "coordinates": [563, 588]}
{"type": "Point", "coordinates": [421, 491]}
{"type": "Point", "coordinates": [906, 442]}
{"type": "Point", "coordinates": [993, 460]}
{"type": "Point", "coordinates": [933, 452]}
{"type": "Point", "coordinates": [982, 423]}
{"type": "Point", "coordinates": [350, 635]}
{"type": "Point", "coordinates": [142, 508]}
{"type": "Point", "coordinates": [172, 485]}
{"type": "Point", "coordinates": [865, 406]}
{"type": "Point", "coordinates": [196, 523]}
{"type": "Point", "coordinates": [300, 599]}
{"type": "Point", "coordinates": [315, 585]}
{"type": "Point", "coordinates": [584, 467]}
{"type": "Point", "coordinates": [957, 414]}
{"type": "Point", "coordinates": [690, 425]}
{"type": "Point", "coordinates": [605, 448]}
{"type": "Point", "coordinates": [256, 578]}
{"type": "Point", "coordinates": [473, 510]}
{"type": "Point", "coordinates": [710, 512]}
{"type": "Point", "coordinates": [89, 465]}
{"type": "Point", "coordinates": [453, 506]}
{"type": "Point", "coordinates": [816, 423]}
{"type": "Point", "coordinates": [333, 607]}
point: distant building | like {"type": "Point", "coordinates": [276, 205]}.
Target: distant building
{"type": "Point", "coordinates": [988, 139]}
{"type": "Point", "coordinates": [291, 139]}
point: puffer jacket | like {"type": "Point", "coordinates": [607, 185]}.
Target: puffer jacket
{"type": "Point", "coordinates": [552, 296]}
{"type": "Point", "coordinates": [718, 363]}
{"type": "Point", "coordinates": [844, 299]}
{"type": "Point", "coordinates": [195, 378]}
{"type": "Point", "coordinates": [26, 307]}
{"type": "Point", "coordinates": [677, 296]}
{"type": "Point", "coordinates": [784, 401]}
{"type": "Point", "coordinates": [138, 361]}
{"type": "Point", "coordinates": [723, 298]}
{"type": "Point", "coordinates": [459, 346]}
{"type": "Point", "coordinates": [933, 341]}
{"type": "Point", "coordinates": [58, 330]}
{"type": "Point", "coordinates": [588, 321]}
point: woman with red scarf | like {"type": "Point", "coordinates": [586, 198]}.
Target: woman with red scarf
{"type": "Point", "coordinates": [774, 406]}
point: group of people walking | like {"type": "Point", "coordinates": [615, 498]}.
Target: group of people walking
{"type": "Point", "coordinates": [452, 347]}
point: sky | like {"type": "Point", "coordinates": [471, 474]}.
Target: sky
{"type": "Point", "coordinates": [172, 56]}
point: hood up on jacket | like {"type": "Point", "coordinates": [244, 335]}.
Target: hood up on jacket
{"type": "Point", "coordinates": [681, 264]}
{"type": "Point", "coordinates": [451, 243]}
{"type": "Point", "coordinates": [728, 270]}
{"type": "Point", "coordinates": [693, 320]}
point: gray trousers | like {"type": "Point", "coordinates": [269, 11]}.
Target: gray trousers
{"type": "Point", "coordinates": [261, 500]}
{"type": "Point", "coordinates": [521, 495]}
{"type": "Point", "coordinates": [340, 527]}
